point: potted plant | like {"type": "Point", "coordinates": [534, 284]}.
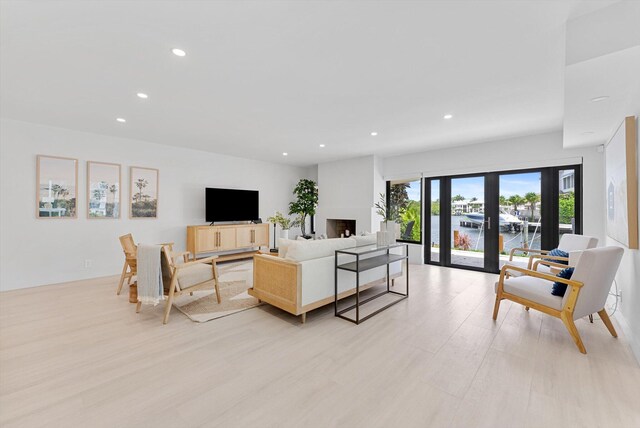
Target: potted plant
{"type": "Point", "coordinates": [285, 224]}
{"type": "Point", "coordinates": [306, 192]}
{"type": "Point", "coordinates": [389, 226]}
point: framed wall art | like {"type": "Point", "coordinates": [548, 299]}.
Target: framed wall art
{"type": "Point", "coordinates": [622, 184]}
{"type": "Point", "coordinates": [57, 187]}
{"type": "Point", "coordinates": [103, 190]}
{"type": "Point", "coordinates": [143, 192]}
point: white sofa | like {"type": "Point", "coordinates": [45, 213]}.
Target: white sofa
{"type": "Point", "coordinates": [302, 277]}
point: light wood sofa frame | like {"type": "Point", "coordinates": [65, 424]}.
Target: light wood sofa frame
{"type": "Point", "coordinates": [278, 282]}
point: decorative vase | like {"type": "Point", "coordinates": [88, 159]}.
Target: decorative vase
{"type": "Point", "coordinates": [392, 229]}
{"type": "Point", "coordinates": [284, 233]}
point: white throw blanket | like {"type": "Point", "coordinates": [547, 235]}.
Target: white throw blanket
{"type": "Point", "coordinates": [150, 290]}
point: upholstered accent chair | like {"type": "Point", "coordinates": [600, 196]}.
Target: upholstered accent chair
{"type": "Point", "coordinates": [586, 293]}
{"type": "Point", "coordinates": [183, 276]}
{"type": "Point", "coordinates": [569, 243]}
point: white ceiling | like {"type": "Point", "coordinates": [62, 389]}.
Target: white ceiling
{"type": "Point", "coordinates": [261, 78]}
{"type": "Point", "coordinates": [603, 61]}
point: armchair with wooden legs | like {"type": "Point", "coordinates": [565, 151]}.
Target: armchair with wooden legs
{"type": "Point", "coordinates": [586, 294]}
{"type": "Point", "coordinates": [569, 243]}
{"type": "Point", "coordinates": [186, 277]}
{"type": "Point", "coordinates": [130, 268]}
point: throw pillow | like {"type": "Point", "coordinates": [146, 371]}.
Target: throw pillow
{"type": "Point", "coordinates": [558, 253]}
{"type": "Point", "coordinates": [560, 288]}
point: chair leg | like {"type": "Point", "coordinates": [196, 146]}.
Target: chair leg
{"type": "Point", "coordinates": [216, 282]}
{"type": "Point", "coordinates": [138, 306]}
{"type": "Point", "coordinates": [167, 309]}
{"type": "Point", "coordinates": [607, 321]}
{"type": "Point", "coordinates": [303, 318]}
{"type": "Point", "coordinates": [573, 331]}
{"type": "Point", "coordinates": [496, 307]}
{"type": "Point", "coordinates": [122, 276]}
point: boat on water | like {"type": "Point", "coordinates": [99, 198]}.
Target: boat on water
{"type": "Point", "coordinates": [506, 220]}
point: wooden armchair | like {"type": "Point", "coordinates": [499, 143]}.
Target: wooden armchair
{"type": "Point", "coordinates": [130, 268]}
{"type": "Point", "coordinates": [569, 243]}
{"type": "Point", "coordinates": [186, 277]}
{"type": "Point", "coordinates": [587, 290]}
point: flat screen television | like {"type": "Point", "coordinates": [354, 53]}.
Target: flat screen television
{"type": "Point", "coordinates": [231, 205]}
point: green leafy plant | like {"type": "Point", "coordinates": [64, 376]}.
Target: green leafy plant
{"type": "Point", "coordinates": [412, 213]}
{"type": "Point", "coordinates": [435, 207]}
{"type": "Point", "coordinates": [285, 223]}
{"type": "Point", "coordinates": [532, 198]}
{"type": "Point", "coordinates": [515, 201]}
{"type": "Point", "coordinates": [388, 213]}
{"type": "Point", "coordinates": [566, 202]}
{"type": "Point", "coordinates": [306, 192]}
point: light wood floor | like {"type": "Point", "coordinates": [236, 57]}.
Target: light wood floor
{"type": "Point", "coordinates": [77, 355]}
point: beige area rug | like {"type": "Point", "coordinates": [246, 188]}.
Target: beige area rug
{"type": "Point", "coordinates": [235, 279]}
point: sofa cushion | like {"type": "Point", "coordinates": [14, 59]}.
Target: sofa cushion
{"type": "Point", "coordinates": [364, 239]}
{"type": "Point", "coordinates": [306, 250]}
{"type": "Point", "coordinates": [531, 288]}
{"type": "Point", "coordinates": [194, 275]}
{"type": "Point", "coordinates": [283, 246]}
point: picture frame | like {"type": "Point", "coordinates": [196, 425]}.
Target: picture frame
{"type": "Point", "coordinates": [104, 190]}
{"type": "Point", "coordinates": [621, 174]}
{"type": "Point", "coordinates": [56, 187]}
{"type": "Point", "coordinates": [144, 188]}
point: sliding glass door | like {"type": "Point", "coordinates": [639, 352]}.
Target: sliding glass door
{"type": "Point", "coordinates": [468, 224]}
{"type": "Point", "coordinates": [477, 221]}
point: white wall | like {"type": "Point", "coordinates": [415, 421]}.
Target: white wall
{"type": "Point", "coordinates": [628, 280]}
{"type": "Point", "coordinates": [36, 252]}
{"type": "Point", "coordinates": [515, 153]}
{"type": "Point", "coordinates": [347, 190]}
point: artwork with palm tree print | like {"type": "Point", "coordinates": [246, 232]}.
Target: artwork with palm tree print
{"type": "Point", "coordinates": [103, 190]}
{"type": "Point", "coordinates": [144, 192]}
{"type": "Point", "coordinates": [57, 180]}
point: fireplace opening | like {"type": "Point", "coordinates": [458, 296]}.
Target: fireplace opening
{"type": "Point", "coordinates": [337, 227]}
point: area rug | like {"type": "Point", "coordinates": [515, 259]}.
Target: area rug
{"type": "Point", "coordinates": [235, 279]}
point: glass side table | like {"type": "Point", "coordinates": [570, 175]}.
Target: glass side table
{"type": "Point", "coordinates": [370, 257]}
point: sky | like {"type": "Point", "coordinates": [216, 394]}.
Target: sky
{"type": "Point", "coordinates": [473, 187]}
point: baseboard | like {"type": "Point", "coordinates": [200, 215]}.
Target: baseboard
{"type": "Point", "coordinates": [629, 334]}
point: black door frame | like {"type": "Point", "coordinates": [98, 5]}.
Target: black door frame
{"type": "Point", "coordinates": [549, 189]}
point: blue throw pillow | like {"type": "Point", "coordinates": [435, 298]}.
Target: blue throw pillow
{"type": "Point", "coordinates": [560, 288]}
{"type": "Point", "coordinates": [558, 253]}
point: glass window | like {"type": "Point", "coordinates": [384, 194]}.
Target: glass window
{"type": "Point", "coordinates": [521, 210]}
{"type": "Point", "coordinates": [566, 202]}
{"type": "Point", "coordinates": [435, 220]}
{"type": "Point", "coordinates": [406, 197]}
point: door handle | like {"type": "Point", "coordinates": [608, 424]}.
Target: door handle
{"type": "Point", "coordinates": [488, 221]}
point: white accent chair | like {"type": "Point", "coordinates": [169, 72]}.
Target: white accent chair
{"type": "Point", "coordinates": [587, 290]}
{"type": "Point", "coordinates": [569, 243]}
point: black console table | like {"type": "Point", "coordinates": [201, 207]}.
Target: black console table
{"type": "Point", "coordinates": [377, 256]}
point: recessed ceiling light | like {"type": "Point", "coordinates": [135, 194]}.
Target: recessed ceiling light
{"type": "Point", "coordinates": [373, 134]}
{"type": "Point", "coordinates": [285, 154]}
{"type": "Point", "coordinates": [448, 116]}
{"type": "Point", "coordinates": [178, 52]}
{"type": "Point", "coordinates": [602, 98]}
{"type": "Point", "coordinates": [142, 95]}
{"type": "Point", "coordinates": [121, 120]}
{"type": "Point", "coordinates": [322, 145]}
